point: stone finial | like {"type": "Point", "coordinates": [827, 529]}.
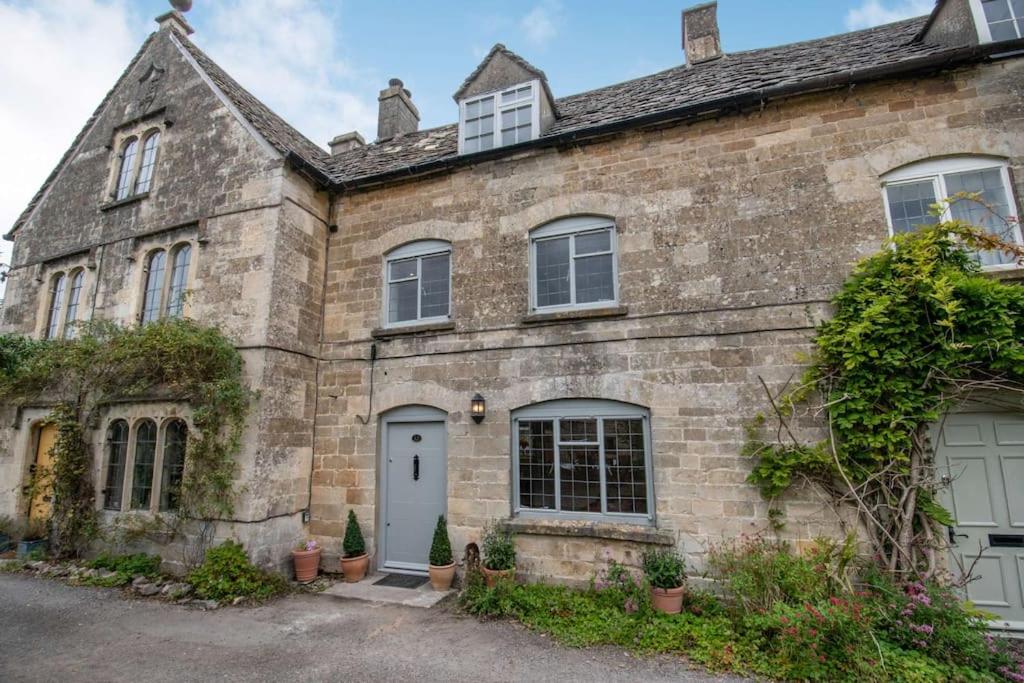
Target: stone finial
{"type": "Point", "coordinates": [346, 141]}
{"type": "Point", "coordinates": [397, 114]}
{"type": "Point", "coordinates": [175, 21]}
{"type": "Point", "coordinates": [701, 40]}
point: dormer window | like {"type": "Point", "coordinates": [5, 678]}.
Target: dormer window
{"type": "Point", "coordinates": [998, 19]}
{"type": "Point", "coordinates": [516, 110]}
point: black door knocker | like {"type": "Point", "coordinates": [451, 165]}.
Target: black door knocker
{"type": "Point", "coordinates": [416, 468]}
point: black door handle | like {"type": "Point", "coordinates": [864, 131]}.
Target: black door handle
{"type": "Point", "coordinates": [953, 535]}
{"type": "Point", "coordinates": [416, 468]}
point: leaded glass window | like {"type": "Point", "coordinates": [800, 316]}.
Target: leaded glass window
{"type": "Point", "coordinates": [153, 295]}
{"type": "Point", "coordinates": [145, 459]}
{"type": "Point", "coordinates": [56, 304]}
{"type": "Point", "coordinates": [148, 162]}
{"type": "Point", "coordinates": [74, 297]}
{"type": "Point", "coordinates": [117, 457]}
{"type": "Point", "coordinates": [126, 173]}
{"type": "Point", "coordinates": [175, 441]}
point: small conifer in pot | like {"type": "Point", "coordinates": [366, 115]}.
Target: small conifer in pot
{"type": "Point", "coordinates": [442, 564]}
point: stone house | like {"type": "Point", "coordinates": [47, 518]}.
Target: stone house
{"type": "Point", "coordinates": [556, 312]}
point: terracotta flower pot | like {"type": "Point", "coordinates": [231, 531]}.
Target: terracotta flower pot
{"type": "Point", "coordinates": [491, 576]}
{"type": "Point", "coordinates": [668, 600]}
{"type": "Point", "coordinates": [307, 564]}
{"type": "Point", "coordinates": [354, 568]}
{"type": "Point", "coordinates": [441, 576]}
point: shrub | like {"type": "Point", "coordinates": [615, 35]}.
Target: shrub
{"type": "Point", "coordinates": [499, 549]}
{"type": "Point", "coordinates": [757, 574]}
{"type": "Point", "coordinates": [441, 545]}
{"type": "Point", "coordinates": [227, 573]}
{"type": "Point", "coordinates": [664, 568]}
{"type": "Point", "coordinates": [353, 544]}
{"type": "Point", "coordinates": [8, 526]}
{"type": "Point", "coordinates": [128, 565]}
{"type": "Point", "coordinates": [35, 530]}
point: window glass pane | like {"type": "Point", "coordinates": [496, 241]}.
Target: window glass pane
{"type": "Point", "coordinates": [625, 470]}
{"type": "Point", "coordinates": [486, 141]}
{"type": "Point", "coordinates": [988, 214]}
{"type": "Point", "coordinates": [434, 281]}
{"type": "Point", "coordinates": [142, 473]}
{"type": "Point", "coordinates": [175, 440]}
{"type": "Point", "coordinates": [179, 278]}
{"type": "Point", "coordinates": [73, 298]}
{"type": "Point", "coordinates": [401, 270]}
{"type": "Point", "coordinates": [909, 205]}
{"type": "Point", "coordinates": [552, 272]}
{"type": "Point", "coordinates": [472, 109]}
{"type": "Point", "coordinates": [402, 301]}
{"type": "Point", "coordinates": [148, 161]}
{"type": "Point", "coordinates": [594, 279]}
{"type": "Point", "coordinates": [124, 177]}
{"type": "Point", "coordinates": [1018, 8]}
{"type": "Point", "coordinates": [508, 137]}
{"type": "Point", "coordinates": [523, 115]}
{"type": "Point", "coordinates": [508, 119]}
{"type": "Point", "coordinates": [117, 454]}
{"type": "Point", "coordinates": [578, 430]}
{"type": "Point", "coordinates": [593, 242]}
{"type": "Point", "coordinates": [56, 304]}
{"type": "Point", "coordinates": [487, 124]}
{"type": "Point", "coordinates": [523, 133]}
{"type": "Point", "coordinates": [1003, 30]}
{"type": "Point", "coordinates": [537, 465]}
{"type": "Point", "coordinates": [579, 469]}
{"type": "Point", "coordinates": [996, 10]}
{"type": "Point", "coordinates": [487, 106]}
{"type": "Point", "coordinates": [472, 145]}
{"type": "Point", "coordinates": [154, 287]}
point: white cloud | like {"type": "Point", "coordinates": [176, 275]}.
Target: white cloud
{"type": "Point", "coordinates": [876, 12]}
{"type": "Point", "coordinates": [541, 24]}
{"type": "Point", "coordinates": [59, 60]}
{"type": "Point", "coordinates": [286, 53]}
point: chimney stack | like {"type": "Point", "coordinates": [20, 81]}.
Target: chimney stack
{"type": "Point", "coordinates": [397, 114]}
{"type": "Point", "coordinates": [345, 142]}
{"type": "Point", "coordinates": [701, 41]}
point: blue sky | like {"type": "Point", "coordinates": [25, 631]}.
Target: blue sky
{"type": "Point", "coordinates": [321, 63]}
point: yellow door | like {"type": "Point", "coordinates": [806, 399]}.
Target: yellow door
{"type": "Point", "coordinates": [42, 494]}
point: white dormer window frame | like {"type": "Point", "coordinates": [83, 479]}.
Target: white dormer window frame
{"type": "Point", "coordinates": [499, 105]}
{"type": "Point", "coordinates": [981, 22]}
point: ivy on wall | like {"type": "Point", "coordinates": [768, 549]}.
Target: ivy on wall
{"type": "Point", "coordinates": [174, 360]}
{"type": "Point", "coordinates": [917, 329]}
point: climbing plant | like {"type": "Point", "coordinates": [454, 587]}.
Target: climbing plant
{"type": "Point", "coordinates": [917, 329]}
{"type": "Point", "coordinates": [174, 360]}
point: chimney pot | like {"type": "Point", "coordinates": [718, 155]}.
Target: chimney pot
{"type": "Point", "coordinates": [397, 115]}
{"type": "Point", "coordinates": [346, 141]}
{"type": "Point", "coordinates": [175, 21]}
{"type": "Point", "coordinates": [701, 40]}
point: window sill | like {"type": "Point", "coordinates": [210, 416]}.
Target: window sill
{"type": "Point", "coordinates": [576, 314]}
{"type": "Point", "coordinates": [1007, 272]}
{"type": "Point", "coordinates": [389, 332]}
{"type": "Point", "coordinates": [614, 531]}
{"type": "Point", "coordinates": [123, 202]}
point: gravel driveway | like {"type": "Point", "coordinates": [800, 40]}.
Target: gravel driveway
{"type": "Point", "coordinates": [50, 631]}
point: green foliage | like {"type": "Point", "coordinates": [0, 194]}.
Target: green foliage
{"type": "Point", "coordinates": [34, 530]}
{"type": "Point", "coordinates": [176, 359]}
{"type": "Point", "coordinates": [8, 527]}
{"type": "Point", "coordinates": [499, 548]}
{"type": "Point", "coordinates": [129, 565]}
{"type": "Point", "coordinates": [227, 573]}
{"type": "Point", "coordinates": [441, 545]}
{"type": "Point", "coordinates": [353, 544]}
{"type": "Point", "coordinates": [664, 568]}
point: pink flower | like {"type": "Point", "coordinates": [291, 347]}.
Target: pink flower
{"type": "Point", "coordinates": [631, 607]}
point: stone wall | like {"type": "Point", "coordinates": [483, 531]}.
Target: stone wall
{"type": "Point", "coordinates": [733, 233]}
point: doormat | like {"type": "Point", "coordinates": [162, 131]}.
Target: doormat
{"type": "Point", "coordinates": [401, 581]}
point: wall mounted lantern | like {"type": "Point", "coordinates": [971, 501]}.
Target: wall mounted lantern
{"type": "Point", "coordinates": [478, 408]}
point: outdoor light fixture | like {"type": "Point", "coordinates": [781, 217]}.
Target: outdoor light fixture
{"type": "Point", "coordinates": [478, 408]}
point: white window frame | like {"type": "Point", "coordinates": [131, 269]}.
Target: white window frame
{"type": "Point", "coordinates": [980, 22]}
{"type": "Point", "coordinates": [574, 225]}
{"type": "Point", "coordinates": [936, 170]}
{"type": "Point", "coordinates": [599, 410]}
{"type": "Point", "coordinates": [495, 95]}
{"type": "Point", "coordinates": [416, 250]}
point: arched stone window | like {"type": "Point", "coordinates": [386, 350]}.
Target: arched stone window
{"type": "Point", "coordinates": [173, 467]}
{"type": "Point", "coordinates": [417, 283]}
{"type": "Point", "coordinates": [583, 458]}
{"type": "Point", "coordinates": [57, 290]}
{"type": "Point", "coordinates": [573, 264]}
{"type": "Point", "coordinates": [144, 461]}
{"type": "Point", "coordinates": [74, 299]}
{"type": "Point", "coordinates": [117, 458]}
{"type": "Point", "coordinates": [166, 284]}
{"type": "Point", "coordinates": [145, 179]}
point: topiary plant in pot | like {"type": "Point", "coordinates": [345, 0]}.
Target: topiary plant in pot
{"type": "Point", "coordinates": [499, 550]}
{"type": "Point", "coordinates": [354, 559]}
{"type": "Point", "coordinates": [666, 575]}
{"type": "Point", "coordinates": [442, 564]}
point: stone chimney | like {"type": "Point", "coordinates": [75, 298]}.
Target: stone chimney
{"type": "Point", "coordinates": [397, 114]}
{"type": "Point", "coordinates": [700, 33]}
{"type": "Point", "coordinates": [345, 142]}
{"type": "Point", "coordinates": [175, 21]}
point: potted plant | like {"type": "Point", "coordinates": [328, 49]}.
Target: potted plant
{"type": "Point", "coordinates": [354, 559]}
{"type": "Point", "coordinates": [499, 555]}
{"type": "Point", "coordinates": [6, 531]}
{"type": "Point", "coordinates": [33, 539]}
{"type": "Point", "coordinates": [442, 564]}
{"type": "Point", "coordinates": [306, 558]}
{"type": "Point", "coordinates": [666, 575]}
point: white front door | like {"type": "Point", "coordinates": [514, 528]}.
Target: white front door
{"type": "Point", "coordinates": [981, 456]}
{"type": "Point", "coordinates": [415, 470]}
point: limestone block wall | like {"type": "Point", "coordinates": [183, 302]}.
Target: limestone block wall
{"type": "Point", "coordinates": [733, 234]}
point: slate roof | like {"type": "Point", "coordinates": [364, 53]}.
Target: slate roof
{"type": "Point", "coordinates": [706, 83]}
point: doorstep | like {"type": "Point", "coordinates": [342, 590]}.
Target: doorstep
{"type": "Point", "coordinates": [423, 596]}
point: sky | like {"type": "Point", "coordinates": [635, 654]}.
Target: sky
{"type": "Point", "coordinates": [321, 63]}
